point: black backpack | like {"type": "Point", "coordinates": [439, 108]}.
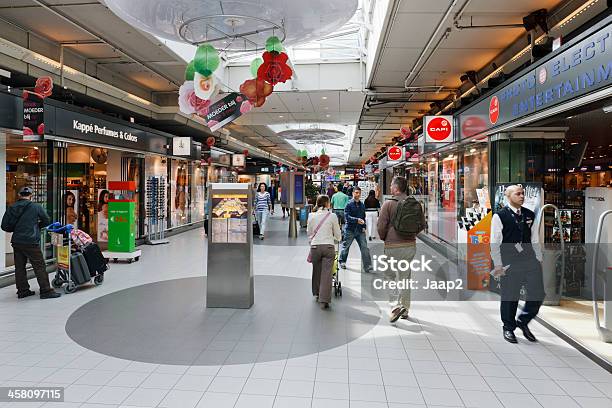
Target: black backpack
{"type": "Point", "coordinates": [409, 217]}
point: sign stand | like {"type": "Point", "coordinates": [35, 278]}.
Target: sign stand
{"type": "Point", "coordinates": [230, 246]}
{"type": "Point", "coordinates": [122, 222]}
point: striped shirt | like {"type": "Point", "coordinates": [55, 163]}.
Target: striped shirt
{"type": "Point", "coordinates": [262, 201]}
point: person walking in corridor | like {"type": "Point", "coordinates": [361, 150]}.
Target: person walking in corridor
{"type": "Point", "coordinates": [338, 203]}
{"type": "Point", "coordinates": [24, 219]}
{"type": "Point", "coordinates": [372, 206]}
{"type": "Point", "coordinates": [401, 219]}
{"type": "Point", "coordinates": [354, 229]}
{"type": "Point", "coordinates": [517, 260]}
{"type": "Point", "coordinates": [263, 204]}
{"type": "Point", "coordinates": [323, 232]}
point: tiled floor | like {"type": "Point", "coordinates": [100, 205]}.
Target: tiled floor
{"type": "Point", "coordinates": [450, 354]}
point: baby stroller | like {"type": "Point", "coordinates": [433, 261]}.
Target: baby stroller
{"type": "Point", "coordinates": [337, 285]}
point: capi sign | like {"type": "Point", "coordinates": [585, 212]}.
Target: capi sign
{"type": "Point", "coordinates": [395, 153]}
{"type": "Point", "coordinates": [438, 129]}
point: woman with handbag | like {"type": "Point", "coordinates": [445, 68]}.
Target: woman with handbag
{"type": "Point", "coordinates": [323, 232]}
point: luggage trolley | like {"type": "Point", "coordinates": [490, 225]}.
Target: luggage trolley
{"type": "Point", "coordinates": [64, 274]}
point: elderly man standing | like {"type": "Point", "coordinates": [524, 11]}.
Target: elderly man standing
{"type": "Point", "coordinates": [517, 259]}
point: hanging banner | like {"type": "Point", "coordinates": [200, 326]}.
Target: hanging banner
{"type": "Point", "coordinates": [226, 110]}
{"type": "Point", "coordinates": [33, 117]}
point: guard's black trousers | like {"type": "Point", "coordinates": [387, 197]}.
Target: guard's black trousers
{"type": "Point", "coordinates": [528, 274]}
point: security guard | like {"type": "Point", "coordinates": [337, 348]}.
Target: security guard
{"type": "Point", "coordinates": [517, 259]}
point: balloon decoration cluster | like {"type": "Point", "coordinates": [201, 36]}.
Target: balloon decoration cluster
{"type": "Point", "coordinates": [202, 83]}
{"type": "Point", "coordinates": [267, 71]}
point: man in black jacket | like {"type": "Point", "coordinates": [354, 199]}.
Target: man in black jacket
{"type": "Point", "coordinates": [24, 219]}
{"type": "Point", "coordinates": [517, 257]}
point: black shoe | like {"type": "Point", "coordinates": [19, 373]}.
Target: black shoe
{"type": "Point", "coordinates": [396, 313]}
{"type": "Point", "coordinates": [50, 295]}
{"type": "Point", "coordinates": [509, 336]}
{"type": "Point", "coordinates": [526, 332]}
{"type": "Point", "coordinates": [25, 294]}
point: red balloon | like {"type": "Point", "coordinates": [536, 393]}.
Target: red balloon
{"type": "Point", "coordinates": [324, 160]}
{"type": "Point", "coordinates": [245, 152]}
{"type": "Point", "coordinates": [210, 142]}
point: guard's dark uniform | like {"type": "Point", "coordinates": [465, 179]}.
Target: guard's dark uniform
{"type": "Point", "coordinates": [518, 253]}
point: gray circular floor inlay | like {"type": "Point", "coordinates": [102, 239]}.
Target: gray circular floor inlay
{"type": "Point", "coordinates": [167, 323]}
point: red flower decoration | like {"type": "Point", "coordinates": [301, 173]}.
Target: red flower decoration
{"type": "Point", "coordinates": [210, 142]}
{"type": "Point", "coordinates": [324, 160]}
{"type": "Point", "coordinates": [245, 152]}
{"type": "Point", "coordinates": [41, 129]}
{"type": "Point", "coordinates": [44, 86]}
{"type": "Point", "coordinates": [27, 131]}
{"type": "Point", "coordinates": [274, 68]}
{"type": "Point", "coordinates": [257, 90]}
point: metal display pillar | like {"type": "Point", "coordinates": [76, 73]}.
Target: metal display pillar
{"type": "Point", "coordinates": [230, 246]}
{"type": "Point", "coordinates": [292, 223]}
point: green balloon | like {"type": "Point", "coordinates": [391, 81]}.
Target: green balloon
{"type": "Point", "coordinates": [255, 64]}
{"type": "Point", "coordinates": [274, 44]}
{"type": "Point", "coordinates": [206, 60]}
{"type": "Point", "coordinates": [189, 72]}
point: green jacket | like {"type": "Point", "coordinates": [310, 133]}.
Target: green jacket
{"type": "Point", "coordinates": [26, 231]}
{"type": "Point", "coordinates": [339, 201]}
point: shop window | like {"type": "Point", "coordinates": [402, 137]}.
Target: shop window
{"type": "Point", "coordinates": [22, 164]}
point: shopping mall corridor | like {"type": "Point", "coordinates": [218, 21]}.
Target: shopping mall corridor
{"type": "Point", "coordinates": [144, 339]}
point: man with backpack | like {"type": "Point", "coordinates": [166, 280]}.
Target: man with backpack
{"type": "Point", "coordinates": [401, 219]}
{"type": "Point", "coordinates": [24, 219]}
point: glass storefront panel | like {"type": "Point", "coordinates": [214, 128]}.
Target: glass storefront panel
{"type": "Point", "coordinates": [22, 164]}
{"type": "Point", "coordinates": [180, 192]}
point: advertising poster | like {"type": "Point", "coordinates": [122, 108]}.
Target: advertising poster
{"type": "Point", "coordinates": [229, 218]}
{"type": "Point", "coordinates": [448, 184]}
{"type": "Point", "coordinates": [102, 215]}
{"type": "Point", "coordinates": [534, 196]}
{"type": "Point", "coordinates": [33, 118]}
{"type": "Point", "coordinates": [227, 110]}
{"type": "Point", "coordinates": [71, 202]}
{"type": "Point", "coordinates": [121, 226]}
{"type": "Point", "coordinates": [479, 254]}
{"type": "Point", "coordinates": [299, 188]}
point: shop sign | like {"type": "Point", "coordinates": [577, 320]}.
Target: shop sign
{"type": "Point", "coordinates": [395, 154]}
{"type": "Point", "coordinates": [225, 159]}
{"type": "Point", "coordinates": [89, 128]}
{"type": "Point", "coordinates": [582, 68]}
{"type": "Point", "coordinates": [438, 129]}
{"type": "Point", "coordinates": [33, 118]}
{"type": "Point", "coordinates": [224, 111]}
{"type": "Point", "coordinates": [181, 146]}
{"type": "Point", "coordinates": [238, 160]}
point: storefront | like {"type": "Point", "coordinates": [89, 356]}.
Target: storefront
{"type": "Point", "coordinates": [69, 169]}
{"type": "Point", "coordinates": [547, 128]}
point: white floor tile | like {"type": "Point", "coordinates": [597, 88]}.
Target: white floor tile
{"type": "Point", "coordinates": [372, 393]}
{"type": "Point", "coordinates": [259, 386]}
{"type": "Point", "coordinates": [110, 395]}
{"type": "Point", "coordinates": [292, 402]}
{"type": "Point", "coordinates": [145, 397]}
{"type": "Point", "coordinates": [181, 399]}
{"type": "Point", "coordinates": [292, 388]}
{"type": "Point", "coordinates": [217, 400]}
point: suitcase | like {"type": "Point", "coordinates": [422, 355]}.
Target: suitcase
{"type": "Point", "coordinates": [256, 228]}
{"type": "Point", "coordinates": [79, 270]}
{"type": "Point", "coordinates": [95, 260]}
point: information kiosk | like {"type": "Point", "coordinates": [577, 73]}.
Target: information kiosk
{"type": "Point", "coordinates": [230, 246]}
